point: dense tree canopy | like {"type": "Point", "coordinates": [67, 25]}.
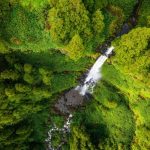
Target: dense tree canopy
{"type": "Point", "coordinates": [41, 25]}
{"type": "Point", "coordinates": [132, 51]}
{"type": "Point", "coordinates": [23, 89]}
{"type": "Point", "coordinates": [69, 18]}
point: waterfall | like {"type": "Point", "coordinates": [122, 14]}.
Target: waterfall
{"type": "Point", "coordinates": [94, 74]}
{"type": "Point", "coordinates": [92, 77]}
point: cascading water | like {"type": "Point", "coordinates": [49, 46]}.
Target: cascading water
{"type": "Point", "coordinates": [94, 74]}
{"type": "Point", "coordinates": [64, 130]}
{"type": "Point", "coordinates": [92, 77]}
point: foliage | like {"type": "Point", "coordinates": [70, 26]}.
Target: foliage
{"type": "Point", "coordinates": [4, 10]}
{"type": "Point", "coordinates": [144, 14]}
{"type": "Point", "coordinates": [9, 74]}
{"type": "Point", "coordinates": [44, 47]}
{"type": "Point", "coordinates": [3, 48]}
{"type": "Point", "coordinates": [132, 52]}
{"type": "Point", "coordinates": [20, 99]}
{"type": "Point", "coordinates": [141, 138]}
{"type": "Point", "coordinates": [24, 31]}
{"type": "Point", "coordinates": [27, 68]}
{"type": "Point", "coordinates": [75, 47]}
{"type": "Point", "coordinates": [55, 61]}
{"type": "Point", "coordinates": [25, 26]}
{"type": "Point", "coordinates": [98, 24]}
{"type": "Point", "coordinates": [117, 118]}
{"type": "Point", "coordinates": [30, 93]}
{"type": "Point", "coordinates": [59, 85]}
{"type": "Point", "coordinates": [130, 75]}
{"type": "Point", "coordinates": [80, 140]}
{"type": "Point", "coordinates": [118, 19]}
{"type": "Point", "coordinates": [66, 21]}
{"type": "Point", "coordinates": [126, 5]}
{"type": "Point", "coordinates": [107, 120]}
{"type": "Point", "coordinates": [93, 5]}
{"type": "Point", "coordinates": [69, 28]}
{"type": "Point", "coordinates": [34, 5]}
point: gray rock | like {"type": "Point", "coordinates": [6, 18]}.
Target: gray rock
{"type": "Point", "coordinates": [71, 99]}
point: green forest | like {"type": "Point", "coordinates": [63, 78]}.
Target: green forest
{"type": "Point", "coordinates": [45, 48]}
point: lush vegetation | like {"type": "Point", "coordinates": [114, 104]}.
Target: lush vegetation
{"type": "Point", "coordinates": [45, 45]}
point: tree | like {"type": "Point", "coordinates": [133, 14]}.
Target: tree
{"type": "Point", "coordinates": [9, 74]}
{"type": "Point", "coordinates": [66, 20]}
{"type": "Point", "coordinates": [93, 5]}
{"type": "Point", "coordinates": [28, 78]}
{"type": "Point", "coordinates": [23, 30]}
{"type": "Point", "coordinates": [21, 94]}
{"type": "Point", "coordinates": [80, 140]}
{"type": "Point", "coordinates": [118, 18]}
{"type": "Point", "coordinates": [34, 5]}
{"type": "Point", "coordinates": [131, 48]}
{"type": "Point", "coordinates": [3, 48]}
{"type": "Point", "coordinates": [126, 5]}
{"type": "Point", "coordinates": [98, 23]}
{"type": "Point", "coordinates": [22, 88]}
{"type": "Point", "coordinates": [27, 68]}
{"type": "Point", "coordinates": [99, 4]}
{"type": "Point", "coordinates": [46, 76]}
{"type": "Point", "coordinates": [75, 48]}
{"type": "Point", "coordinates": [144, 14]}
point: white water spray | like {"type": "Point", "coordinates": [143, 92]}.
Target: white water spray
{"type": "Point", "coordinates": [94, 74]}
{"type": "Point", "coordinates": [92, 77]}
{"type": "Point", "coordinates": [64, 130]}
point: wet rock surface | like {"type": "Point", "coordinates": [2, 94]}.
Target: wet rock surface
{"type": "Point", "coordinates": [71, 99]}
{"type": "Point", "coordinates": [124, 30]}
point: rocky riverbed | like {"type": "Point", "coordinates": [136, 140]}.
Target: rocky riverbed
{"type": "Point", "coordinates": [70, 100]}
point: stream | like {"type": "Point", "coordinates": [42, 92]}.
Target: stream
{"type": "Point", "coordinates": [75, 97]}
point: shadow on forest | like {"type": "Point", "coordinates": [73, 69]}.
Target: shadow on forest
{"type": "Point", "coordinates": [97, 132]}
